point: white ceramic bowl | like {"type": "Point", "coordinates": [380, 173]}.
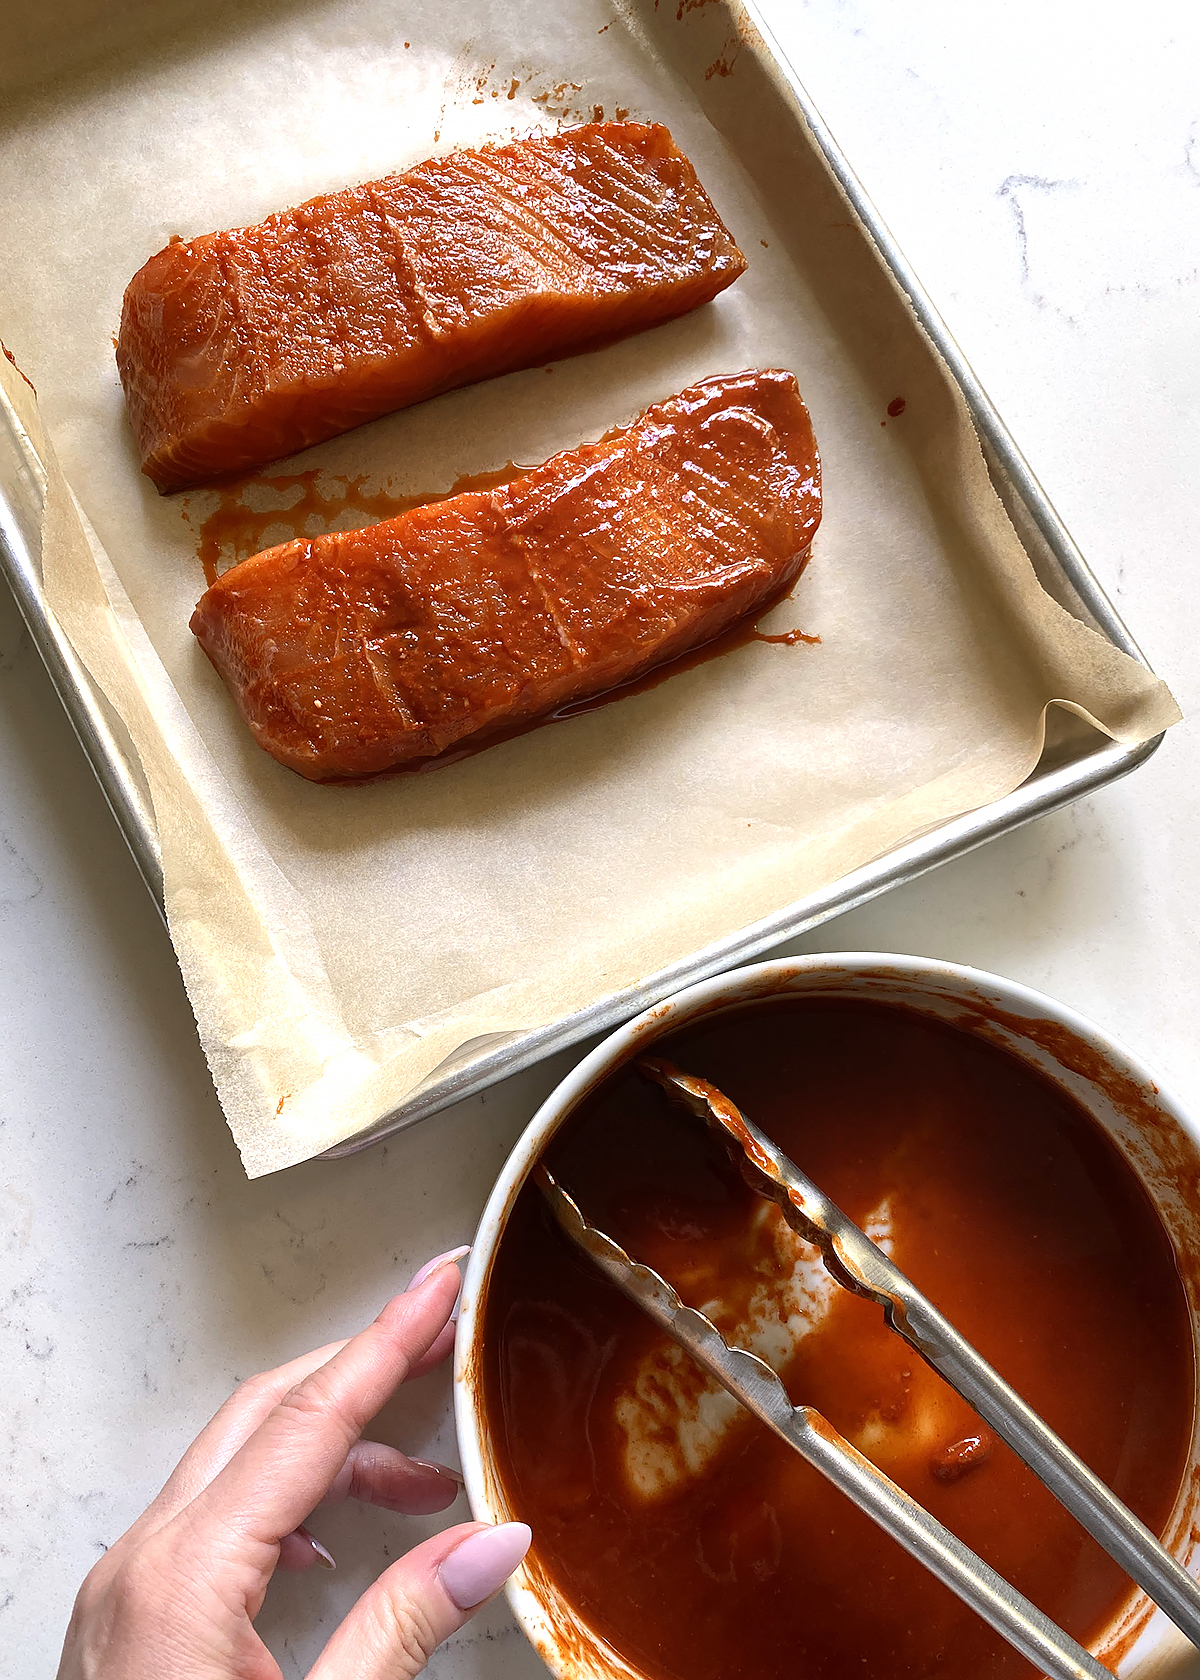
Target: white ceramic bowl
{"type": "Point", "coordinates": [1153, 1134]}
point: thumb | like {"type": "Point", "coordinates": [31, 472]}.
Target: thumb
{"type": "Point", "coordinates": [398, 1623]}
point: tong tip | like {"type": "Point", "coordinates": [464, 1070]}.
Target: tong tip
{"type": "Point", "coordinates": [707, 1102]}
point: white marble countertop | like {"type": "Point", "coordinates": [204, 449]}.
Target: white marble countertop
{"type": "Point", "coordinates": [1042, 173]}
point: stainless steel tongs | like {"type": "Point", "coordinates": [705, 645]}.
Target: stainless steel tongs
{"type": "Point", "coordinates": [855, 1262]}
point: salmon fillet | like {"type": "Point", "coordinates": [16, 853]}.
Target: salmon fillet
{"type": "Point", "coordinates": [236, 348]}
{"type": "Point", "coordinates": [357, 651]}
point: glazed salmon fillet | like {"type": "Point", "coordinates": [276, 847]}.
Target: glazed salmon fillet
{"type": "Point", "coordinates": [236, 348]}
{"type": "Point", "coordinates": [361, 650]}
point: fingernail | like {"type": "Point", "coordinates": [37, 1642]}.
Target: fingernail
{"type": "Point", "coordinates": [324, 1558]}
{"type": "Point", "coordinates": [436, 1264]}
{"type": "Point", "coordinates": [440, 1469]}
{"type": "Point", "coordinates": [480, 1564]}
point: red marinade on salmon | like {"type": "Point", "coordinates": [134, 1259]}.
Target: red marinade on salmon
{"type": "Point", "coordinates": [236, 348]}
{"type": "Point", "coordinates": [358, 651]}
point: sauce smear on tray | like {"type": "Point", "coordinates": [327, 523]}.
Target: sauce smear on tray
{"type": "Point", "coordinates": [692, 1540]}
{"type": "Point", "coordinates": [261, 510]}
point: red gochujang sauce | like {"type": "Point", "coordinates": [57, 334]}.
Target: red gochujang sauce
{"type": "Point", "coordinates": [698, 1545]}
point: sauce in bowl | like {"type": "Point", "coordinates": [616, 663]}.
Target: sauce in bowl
{"type": "Point", "coordinates": [695, 1543]}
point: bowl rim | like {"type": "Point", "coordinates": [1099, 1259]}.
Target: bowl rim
{"type": "Point", "coordinates": [755, 980]}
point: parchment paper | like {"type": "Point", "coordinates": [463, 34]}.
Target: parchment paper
{"type": "Point", "coordinates": [339, 943]}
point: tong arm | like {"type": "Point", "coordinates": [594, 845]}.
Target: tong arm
{"type": "Point", "coordinates": [757, 1387]}
{"type": "Point", "coordinates": [860, 1265]}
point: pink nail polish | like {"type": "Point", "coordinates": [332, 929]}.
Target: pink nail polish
{"type": "Point", "coordinates": [436, 1264]}
{"type": "Point", "coordinates": [479, 1565]}
{"type": "Point", "coordinates": [439, 1469]}
{"type": "Point", "coordinates": [324, 1558]}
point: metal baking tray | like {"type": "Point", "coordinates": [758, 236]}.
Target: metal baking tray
{"type": "Point", "coordinates": [1076, 760]}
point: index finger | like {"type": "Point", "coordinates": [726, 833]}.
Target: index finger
{"type": "Point", "coordinates": [225, 1432]}
{"type": "Point", "coordinates": [286, 1467]}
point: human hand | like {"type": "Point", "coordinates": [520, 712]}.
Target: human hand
{"type": "Point", "coordinates": [177, 1595]}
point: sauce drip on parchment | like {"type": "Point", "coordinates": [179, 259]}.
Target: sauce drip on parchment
{"type": "Point", "coordinates": [242, 516]}
{"type": "Point", "coordinates": [699, 1546]}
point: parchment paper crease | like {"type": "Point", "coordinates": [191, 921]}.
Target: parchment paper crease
{"type": "Point", "coordinates": [339, 943]}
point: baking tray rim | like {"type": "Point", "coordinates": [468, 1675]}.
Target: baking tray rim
{"type": "Point", "coordinates": [1049, 790]}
